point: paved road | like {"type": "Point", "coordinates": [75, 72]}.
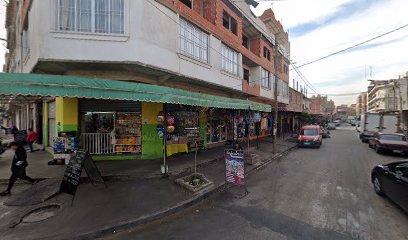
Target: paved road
{"type": "Point", "coordinates": [310, 194]}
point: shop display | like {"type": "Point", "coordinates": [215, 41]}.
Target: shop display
{"type": "Point", "coordinates": [128, 133]}
{"type": "Point", "coordinates": [188, 127]}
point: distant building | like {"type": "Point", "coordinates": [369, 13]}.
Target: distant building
{"type": "Point", "coordinates": [361, 103]}
{"type": "Point", "coordinates": [383, 96]}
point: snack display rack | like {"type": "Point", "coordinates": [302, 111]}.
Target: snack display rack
{"type": "Point", "coordinates": [128, 135]}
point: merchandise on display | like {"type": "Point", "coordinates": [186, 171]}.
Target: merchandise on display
{"type": "Point", "coordinates": [128, 133]}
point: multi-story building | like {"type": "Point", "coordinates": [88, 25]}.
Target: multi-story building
{"type": "Point", "coordinates": [154, 56]}
{"type": "Point", "coordinates": [318, 105]}
{"type": "Point", "coordinates": [295, 109]}
{"type": "Point", "coordinates": [383, 96]}
{"type": "Point", "coordinates": [361, 104]}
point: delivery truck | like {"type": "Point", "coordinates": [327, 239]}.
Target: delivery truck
{"type": "Point", "coordinates": [371, 123]}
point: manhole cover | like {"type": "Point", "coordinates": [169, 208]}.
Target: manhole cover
{"type": "Point", "coordinates": [41, 214]}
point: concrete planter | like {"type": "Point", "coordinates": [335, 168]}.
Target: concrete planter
{"type": "Point", "coordinates": [194, 183]}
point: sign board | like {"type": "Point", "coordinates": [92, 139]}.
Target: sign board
{"type": "Point", "coordinates": [80, 160]}
{"type": "Point", "coordinates": [234, 166]}
{"type": "Point", "coordinates": [73, 173]}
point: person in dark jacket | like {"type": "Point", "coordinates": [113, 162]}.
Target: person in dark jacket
{"type": "Point", "coordinates": [18, 167]}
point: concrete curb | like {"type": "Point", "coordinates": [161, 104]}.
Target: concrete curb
{"type": "Point", "coordinates": [125, 225]}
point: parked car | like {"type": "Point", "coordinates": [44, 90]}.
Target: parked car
{"type": "Point", "coordinates": [392, 180]}
{"type": "Point", "coordinates": [337, 122]}
{"type": "Point", "coordinates": [365, 136]}
{"type": "Point", "coordinates": [389, 142]}
{"type": "Point", "coordinates": [310, 136]}
{"type": "Point", "coordinates": [324, 132]}
{"type": "Point", "coordinates": [331, 126]}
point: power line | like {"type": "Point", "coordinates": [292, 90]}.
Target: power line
{"type": "Point", "coordinates": [353, 46]}
{"type": "Point", "coordinates": [306, 82]}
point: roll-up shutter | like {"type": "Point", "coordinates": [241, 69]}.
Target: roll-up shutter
{"type": "Point", "coordinates": [101, 105]}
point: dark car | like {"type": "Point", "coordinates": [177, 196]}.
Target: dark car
{"type": "Point", "coordinates": [392, 180]}
{"type": "Point", "coordinates": [389, 142]}
{"type": "Point", "coordinates": [367, 135]}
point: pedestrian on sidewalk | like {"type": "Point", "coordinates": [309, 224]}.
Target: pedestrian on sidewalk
{"type": "Point", "coordinates": [31, 138]}
{"type": "Point", "coordinates": [14, 131]}
{"type": "Point", "coordinates": [18, 167]}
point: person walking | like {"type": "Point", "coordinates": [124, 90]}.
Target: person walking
{"type": "Point", "coordinates": [31, 138]}
{"type": "Point", "coordinates": [14, 130]}
{"type": "Point", "coordinates": [18, 167]}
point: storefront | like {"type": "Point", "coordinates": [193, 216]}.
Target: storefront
{"type": "Point", "coordinates": [110, 126]}
{"type": "Point", "coordinates": [116, 117]}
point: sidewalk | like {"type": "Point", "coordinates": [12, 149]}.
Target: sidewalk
{"type": "Point", "coordinates": [38, 167]}
{"type": "Point", "coordinates": [124, 202]}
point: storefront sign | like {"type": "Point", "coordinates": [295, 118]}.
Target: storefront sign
{"type": "Point", "coordinates": [80, 160]}
{"type": "Point", "coordinates": [234, 166]}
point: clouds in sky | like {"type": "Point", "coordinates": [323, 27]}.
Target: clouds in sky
{"type": "Point", "coordinates": [320, 27]}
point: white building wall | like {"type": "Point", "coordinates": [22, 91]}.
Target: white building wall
{"type": "Point", "coordinates": [151, 39]}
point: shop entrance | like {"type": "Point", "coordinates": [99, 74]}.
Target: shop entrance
{"type": "Point", "coordinates": [109, 126]}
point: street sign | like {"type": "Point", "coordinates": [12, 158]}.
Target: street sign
{"type": "Point", "coordinates": [234, 166]}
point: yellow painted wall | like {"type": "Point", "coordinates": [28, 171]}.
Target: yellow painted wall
{"type": "Point", "coordinates": [150, 111]}
{"type": "Point", "coordinates": [45, 124]}
{"type": "Point", "coordinates": [66, 114]}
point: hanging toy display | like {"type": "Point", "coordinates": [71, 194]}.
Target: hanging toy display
{"type": "Point", "coordinates": [170, 120]}
{"type": "Point", "coordinates": [170, 129]}
{"type": "Point", "coordinates": [160, 117]}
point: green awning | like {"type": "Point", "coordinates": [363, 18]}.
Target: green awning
{"type": "Point", "coordinates": [71, 86]}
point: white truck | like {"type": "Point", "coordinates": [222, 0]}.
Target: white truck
{"type": "Point", "coordinates": [371, 123]}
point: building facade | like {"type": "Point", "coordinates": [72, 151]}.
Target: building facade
{"type": "Point", "coordinates": [361, 104]}
{"type": "Point", "coordinates": [214, 48]}
{"type": "Point", "coordinates": [383, 96]}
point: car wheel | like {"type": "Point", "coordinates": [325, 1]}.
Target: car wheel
{"type": "Point", "coordinates": [369, 145]}
{"type": "Point", "coordinates": [377, 149]}
{"type": "Point", "coordinates": [377, 185]}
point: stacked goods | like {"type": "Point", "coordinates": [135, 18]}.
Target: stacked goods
{"type": "Point", "coordinates": [128, 133]}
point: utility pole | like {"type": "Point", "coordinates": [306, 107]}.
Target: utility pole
{"type": "Point", "coordinates": [401, 113]}
{"type": "Point", "coordinates": [275, 90]}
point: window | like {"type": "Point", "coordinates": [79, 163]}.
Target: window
{"type": "Point", "coordinates": [229, 60]}
{"type": "Point", "coordinates": [100, 16]}
{"type": "Point", "coordinates": [265, 78]}
{"type": "Point", "coordinates": [245, 41]}
{"type": "Point", "coordinates": [188, 3]}
{"type": "Point", "coordinates": [246, 74]}
{"type": "Point", "coordinates": [283, 88]}
{"type": "Point", "coordinates": [26, 43]}
{"type": "Point", "coordinates": [229, 23]}
{"type": "Point", "coordinates": [267, 53]}
{"type": "Point", "coordinates": [193, 41]}
{"type": "Point", "coordinates": [285, 68]}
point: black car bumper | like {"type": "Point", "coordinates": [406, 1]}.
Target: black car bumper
{"type": "Point", "coordinates": [309, 143]}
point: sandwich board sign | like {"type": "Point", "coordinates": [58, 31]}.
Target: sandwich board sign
{"type": "Point", "coordinates": [234, 166]}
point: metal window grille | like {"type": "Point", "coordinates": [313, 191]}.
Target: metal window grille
{"type": "Point", "coordinates": [193, 41]}
{"type": "Point", "coordinates": [229, 60]}
{"type": "Point", "coordinates": [100, 16]}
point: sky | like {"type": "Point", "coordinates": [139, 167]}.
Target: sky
{"type": "Point", "coordinates": [320, 27]}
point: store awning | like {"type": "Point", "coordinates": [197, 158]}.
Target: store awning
{"type": "Point", "coordinates": [70, 86]}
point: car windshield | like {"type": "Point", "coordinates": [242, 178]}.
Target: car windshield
{"type": "Point", "coordinates": [393, 137]}
{"type": "Point", "coordinates": [309, 132]}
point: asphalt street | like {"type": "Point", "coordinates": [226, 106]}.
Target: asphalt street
{"type": "Point", "coordinates": [321, 193]}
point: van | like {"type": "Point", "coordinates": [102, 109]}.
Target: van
{"type": "Point", "coordinates": [310, 136]}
